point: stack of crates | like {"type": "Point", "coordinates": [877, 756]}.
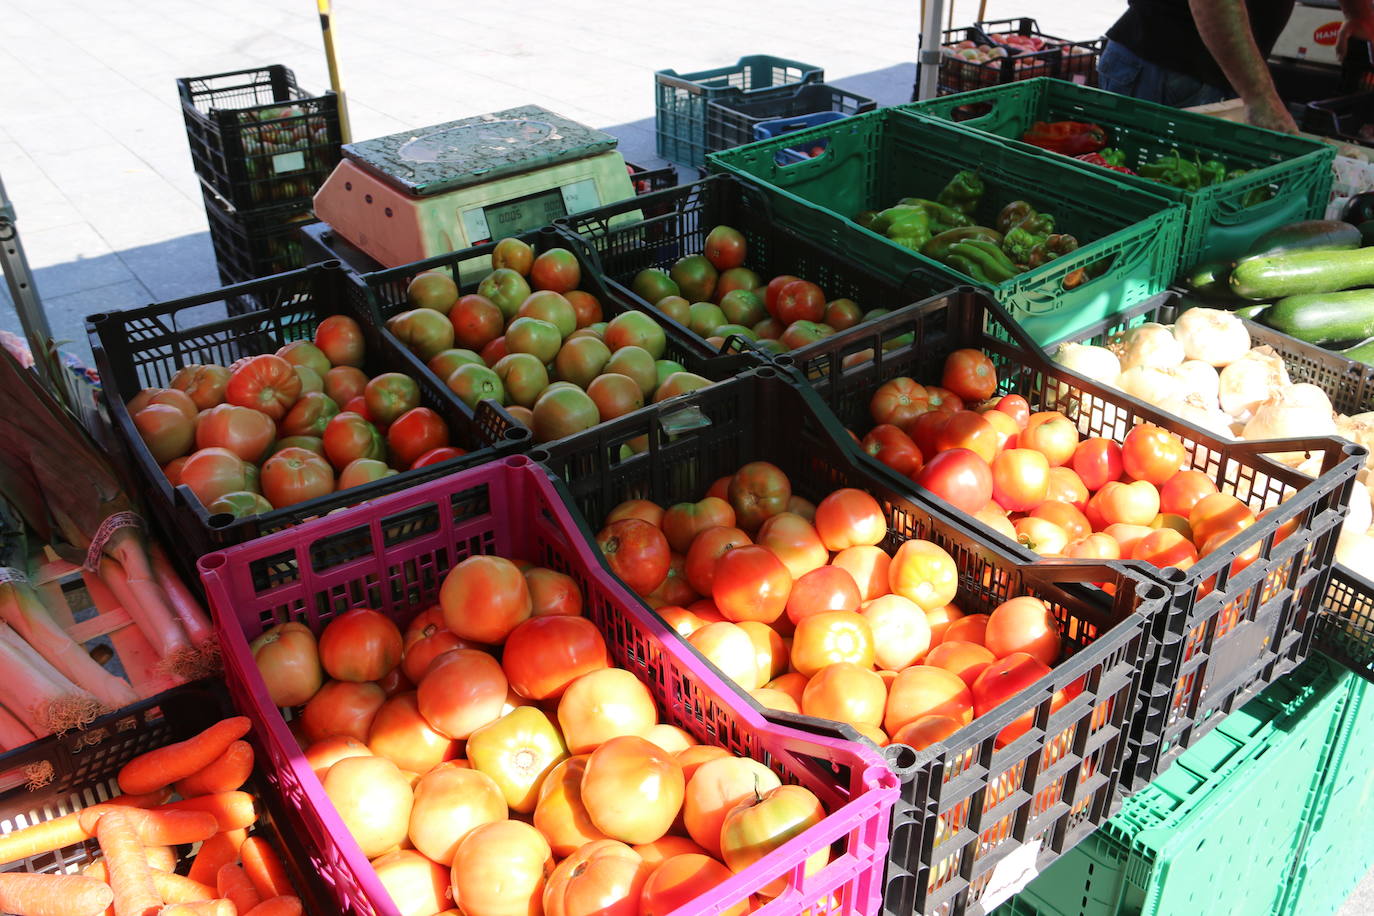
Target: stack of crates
{"type": "Point", "coordinates": [262, 147]}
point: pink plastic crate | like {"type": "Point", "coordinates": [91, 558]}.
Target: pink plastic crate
{"type": "Point", "coordinates": [392, 554]}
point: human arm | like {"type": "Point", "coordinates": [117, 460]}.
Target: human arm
{"type": "Point", "coordinates": [1224, 26]}
{"type": "Point", "coordinates": [1359, 23]}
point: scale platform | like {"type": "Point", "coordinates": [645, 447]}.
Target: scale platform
{"type": "Point", "coordinates": [413, 195]}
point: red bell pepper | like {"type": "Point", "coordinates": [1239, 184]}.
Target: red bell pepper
{"type": "Point", "coordinates": [1072, 138]}
{"type": "Point", "coordinates": [1096, 159]}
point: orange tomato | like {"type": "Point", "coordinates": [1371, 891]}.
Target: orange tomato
{"type": "Point", "coordinates": [1165, 547]}
{"type": "Point", "coordinates": [450, 801]}
{"type": "Point", "coordinates": [1097, 461]}
{"type": "Point", "coordinates": [995, 517]}
{"type": "Point", "coordinates": [1042, 536]}
{"type": "Point", "coordinates": [642, 509]}
{"type": "Point", "coordinates": [792, 683]}
{"type": "Point", "coordinates": [604, 878]}
{"type": "Point", "coordinates": [400, 734]}
{"type": "Point", "coordinates": [463, 690]}
{"type": "Point", "coordinates": [681, 879]}
{"type": "Point", "coordinates": [834, 636]}
{"type": "Point", "coordinates": [901, 631]}
{"type": "Point", "coordinates": [1153, 454]}
{"type": "Point", "coordinates": [795, 542]}
{"type": "Point", "coordinates": [1216, 513]}
{"type": "Point", "coordinates": [970, 374]}
{"type": "Point", "coordinates": [1001, 681]}
{"type": "Point", "coordinates": [675, 588]}
{"type": "Point", "coordinates": [342, 708]}
{"type": "Point", "coordinates": [1005, 425]}
{"type": "Point", "coordinates": [1023, 624]}
{"type": "Point", "coordinates": [715, 789]}
{"type": "Point", "coordinates": [669, 737]}
{"type": "Point", "coordinates": [850, 518]}
{"type": "Point", "coordinates": [484, 598]}
{"type": "Point", "coordinates": [969, 628]}
{"type": "Point", "coordinates": [921, 733]}
{"type": "Point", "coordinates": [939, 619]}
{"type": "Point", "coordinates": [1135, 503]}
{"type": "Point", "coordinates": [517, 751]}
{"type": "Point", "coordinates": [1020, 479]}
{"type": "Point", "coordinates": [769, 698]}
{"type": "Point", "coordinates": [751, 583]}
{"type": "Point", "coordinates": [1127, 536]}
{"type": "Point", "coordinates": [323, 754]}
{"type": "Point", "coordinates": [360, 645]}
{"type": "Point", "coordinates": [417, 885]}
{"type": "Point", "coordinates": [633, 790]}
{"type": "Point", "coordinates": [925, 690]}
{"type": "Point", "coordinates": [845, 692]}
{"type": "Point", "coordinates": [665, 847]}
{"type": "Point", "coordinates": [1074, 523]}
{"type": "Point", "coordinates": [869, 567]}
{"type": "Point", "coordinates": [637, 552]}
{"type": "Point", "coordinates": [898, 402]}
{"type": "Point", "coordinates": [971, 430]}
{"type": "Point", "coordinates": [1094, 547]}
{"type": "Point", "coordinates": [543, 655]}
{"type": "Point", "coordinates": [1052, 434]}
{"type": "Point", "coordinates": [923, 573]}
{"type": "Point", "coordinates": [289, 662]}
{"type": "Point", "coordinates": [1181, 492]}
{"type": "Point", "coordinates": [559, 813]}
{"type": "Point", "coordinates": [1067, 487]}
{"type": "Point", "coordinates": [965, 659]}
{"type": "Point", "coordinates": [604, 704]}
{"type": "Point", "coordinates": [770, 652]}
{"type": "Point", "coordinates": [684, 521]}
{"type": "Point", "coordinates": [500, 869]}
{"type": "Point", "coordinates": [730, 649]}
{"type": "Point", "coordinates": [829, 588]}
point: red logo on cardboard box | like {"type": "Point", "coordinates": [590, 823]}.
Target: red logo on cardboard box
{"type": "Point", "coordinates": [1326, 34]}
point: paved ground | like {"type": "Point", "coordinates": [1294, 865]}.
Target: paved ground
{"type": "Point", "coordinates": [93, 150]}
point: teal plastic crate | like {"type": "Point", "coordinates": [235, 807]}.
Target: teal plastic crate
{"type": "Point", "coordinates": [1218, 225]}
{"type": "Point", "coordinates": [870, 161]}
{"type": "Point", "coordinates": [1218, 833]}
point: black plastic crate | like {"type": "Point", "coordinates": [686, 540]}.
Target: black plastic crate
{"type": "Point", "coordinates": [684, 216]}
{"type": "Point", "coordinates": [144, 348]}
{"type": "Point", "coordinates": [55, 776]}
{"type": "Point", "coordinates": [647, 181]}
{"type": "Point", "coordinates": [960, 75]}
{"type": "Point", "coordinates": [1350, 117]}
{"type": "Point", "coordinates": [730, 122]}
{"type": "Point", "coordinates": [1214, 649]}
{"type": "Point", "coordinates": [964, 804]}
{"type": "Point", "coordinates": [250, 244]}
{"type": "Point", "coordinates": [1078, 61]}
{"type": "Point", "coordinates": [257, 138]}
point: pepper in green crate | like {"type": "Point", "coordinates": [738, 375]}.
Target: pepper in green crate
{"type": "Point", "coordinates": [907, 226]}
{"type": "Point", "coordinates": [1173, 169]}
{"type": "Point", "coordinates": [1213, 171]}
{"type": "Point", "coordinates": [938, 247]}
{"type": "Point", "coordinates": [964, 192]}
{"type": "Point", "coordinates": [941, 216]}
{"type": "Point", "coordinates": [987, 256]}
{"type": "Point", "coordinates": [1052, 247]}
{"type": "Point", "coordinates": [1013, 214]}
{"type": "Point", "coordinates": [1019, 242]}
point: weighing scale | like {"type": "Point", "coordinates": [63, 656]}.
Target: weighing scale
{"type": "Point", "coordinates": [414, 195]}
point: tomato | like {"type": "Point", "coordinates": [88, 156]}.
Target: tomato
{"type": "Point", "coordinates": [775, 286]}
{"type": "Point", "coordinates": [360, 645]}
{"type": "Point", "coordinates": [321, 755]}
{"type": "Point", "coordinates": [898, 402]}
{"type": "Point", "coordinates": [829, 637]}
{"type": "Point", "coordinates": [395, 683]}
{"type": "Point", "coordinates": [373, 799]}
{"type": "Point", "coordinates": [1067, 487]}
{"type": "Point", "coordinates": [462, 690]}
{"type": "Point", "coordinates": [842, 314]}
{"type": "Point", "coordinates": [517, 751]}
{"type": "Point", "coordinates": [605, 877]}
{"type": "Point", "coordinates": [901, 631]}
{"type": "Point", "coordinates": [212, 472]}
{"type": "Point", "coordinates": [970, 375]}
{"type": "Point", "coordinates": [512, 254]}
{"type": "Point", "coordinates": [1074, 523]}
{"type": "Point", "coordinates": [389, 395]}
{"type": "Point", "coordinates": [1040, 535]}
{"type": "Point", "coordinates": [850, 518]}
{"type": "Point", "coordinates": [730, 648]}
{"type": "Point", "coordinates": [637, 552]}
{"type": "Point", "coordinates": [341, 340]}
{"type": "Point", "coordinates": [348, 437]}
{"type": "Point", "coordinates": [166, 431]}
{"type": "Point", "coordinates": [724, 248]}
{"type": "Point", "coordinates": [675, 588]}
{"type": "Point", "coordinates": [424, 332]}
{"type": "Point", "coordinates": [965, 659]}
{"type": "Point", "coordinates": [757, 492]}
{"type": "Point", "coordinates": [307, 417]}
{"type": "Point", "coordinates": [344, 383]}
{"type": "Point", "coordinates": [715, 788]}
{"type": "Point", "coordinates": [921, 733]}
{"type": "Point", "coordinates": [1020, 479]}
{"type": "Point", "coordinates": [1004, 679]}
{"type": "Point", "coordinates": [924, 690]}
{"type": "Point", "coordinates": [1094, 547]}
{"type": "Point", "coordinates": [543, 655]}
{"type": "Point", "coordinates": [1052, 434]}
{"type": "Point", "coordinates": [684, 521]}
{"type": "Point", "coordinates": [500, 869]}
{"type": "Point", "coordinates": [943, 399]}
{"type": "Point", "coordinates": [923, 573]}
{"type": "Point", "coordinates": [970, 430]}
{"type": "Point", "coordinates": [484, 598]}
{"type": "Point", "coordinates": [1023, 624]}
{"type": "Point", "coordinates": [416, 884]}
{"type": "Point", "coordinates": [642, 509]}
{"type": "Point", "coordinates": [794, 540]}
{"type": "Point", "coordinates": [799, 300]}
{"type": "Point", "coordinates": [633, 790]}
{"type": "Point", "coordinates": [969, 628]}
{"type": "Point", "coordinates": [296, 475]}
{"type": "Point", "coordinates": [792, 684]}
{"type": "Point", "coordinates": [1004, 426]}
{"type": "Point", "coordinates": [559, 813]}
{"type": "Point", "coordinates": [826, 588]}
{"type": "Point", "coordinates": [869, 568]}
{"type": "Point", "coordinates": [204, 384]}
{"type": "Point", "coordinates": [708, 547]}
{"type": "Point", "coordinates": [1135, 503]}
{"type": "Point", "coordinates": [450, 802]}
{"type": "Point", "coordinates": [1097, 461]}
{"type": "Point", "coordinates": [750, 583]}
{"type": "Point", "coordinates": [770, 652]}
{"type": "Point", "coordinates": [556, 269]}
{"type": "Point", "coordinates": [995, 517]}
{"type": "Point", "coordinates": [959, 477]}
{"type": "Point", "coordinates": [476, 320]}
{"type": "Point", "coordinates": [1014, 406]}
{"type": "Point", "coordinates": [437, 456]}
{"type": "Point", "coordinates": [289, 662]}
{"type": "Point", "coordinates": [604, 704]}
{"type": "Point", "coordinates": [845, 692]}
{"type": "Point", "coordinates": [246, 432]}
{"type": "Point", "coordinates": [636, 329]}
{"type": "Point", "coordinates": [1181, 492]}
{"type": "Point", "coordinates": [266, 383]}
{"type": "Point", "coordinates": [1165, 547]}
{"type": "Point", "coordinates": [400, 734]}
{"type": "Point", "coordinates": [422, 644]}
{"type": "Point", "coordinates": [1212, 515]}
{"type": "Point", "coordinates": [415, 434]}
{"type": "Point", "coordinates": [585, 307]}
{"type": "Point", "coordinates": [924, 429]}
{"type": "Point", "coordinates": [1127, 536]}
{"type": "Point", "coordinates": [680, 880]}
{"type": "Point", "coordinates": [341, 708]}
{"type": "Point", "coordinates": [1153, 454]}
{"type": "Point", "coordinates": [762, 823]}
{"type": "Point", "coordinates": [894, 448]}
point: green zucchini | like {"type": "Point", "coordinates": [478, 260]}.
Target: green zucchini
{"type": "Point", "coordinates": [1275, 276]}
{"type": "Point", "coordinates": [1209, 280]}
{"type": "Point", "coordinates": [1252, 311]}
{"type": "Point", "coordinates": [1308, 235]}
{"type": "Point", "coordinates": [1361, 353]}
{"type": "Point", "coordinates": [1324, 317]}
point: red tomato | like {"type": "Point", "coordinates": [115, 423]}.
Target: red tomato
{"type": "Point", "coordinates": [360, 645]}
{"type": "Point", "coordinates": [436, 455]}
{"type": "Point", "coordinates": [799, 301]}
{"type": "Point", "coordinates": [1074, 523]}
{"type": "Point", "coordinates": [750, 583]}
{"type": "Point", "coordinates": [1183, 491]}
{"type": "Point", "coordinates": [1134, 503]}
{"type": "Point", "coordinates": [1127, 536]}
{"type": "Point", "coordinates": [543, 655]}
{"type": "Point", "coordinates": [1217, 513]}
{"type": "Point", "coordinates": [794, 540]}
{"type": "Point", "coordinates": [850, 518]}
{"type": "Point", "coordinates": [267, 383]}
{"type": "Point", "coordinates": [484, 598]}
{"type": "Point", "coordinates": [1052, 434]}
{"type": "Point", "coordinates": [829, 588]}
{"type": "Point", "coordinates": [1097, 462]}
{"type": "Point", "coordinates": [1042, 536]}
{"type": "Point", "coordinates": [1007, 431]}
{"type": "Point", "coordinates": [1020, 479]}
{"type": "Point", "coordinates": [925, 429]}
{"type": "Point", "coordinates": [349, 437]}
{"type": "Point", "coordinates": [1094, 547]}
{"type": "Point", "coordinates": [637, 552]}
{"type": "Point", "coordinates": [943, 399]}
{"type": "Point", "coordinates": [893, 448]}
{"type": "Point", "coordinates": [1004, 679]}
{"type": "Point", "coordinates": [898, 402]}
{"type": "Point", "coordinates": [1067, 487]}
{"type": "Point", "coordinates": [1153, 454]}
{"type": "Point", "coordinates": [684, 521]}
{"type": "Point", "coordinates": [1023, 624]}
{"type": "Point", "coordinates": [1165, 547]}
{"type": "Point", "coordinates": [643, 509]}
{"type": "Point", "coordinates": [295, 475]}
{"type": "Point", "coordinates": [341, 339]}
{"type": "Point", "coordinates": [758, 491]}
{"type": "Point", "coordinates": [708, 547]}
{"type": "Point", "coordinates": [959, 477]}
{"type": "Point", "coordinates": [968, 429]}
{"type": "Point", "coordinates": [970, 374]}
{"type": "Point", "coordinates": [1016, 407]}
{"type": "Point", "coordinates": [415, 433]}
{"type": "Point", "coordinates": [775, 285]}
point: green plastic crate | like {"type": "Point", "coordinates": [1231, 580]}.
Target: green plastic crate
{"type": "Point", "coordinates": [1218, 226]}
{"type": "Point", "coordinates": [1217, 833]}
{"type": "Point", "coordinates": [870, 161]}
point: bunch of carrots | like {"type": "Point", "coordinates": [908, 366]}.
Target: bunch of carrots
{"type": "Point", "coordinates": [232, 873]}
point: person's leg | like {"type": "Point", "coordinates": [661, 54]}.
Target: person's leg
{"type": "Point", "coordinates": [1123, 71]}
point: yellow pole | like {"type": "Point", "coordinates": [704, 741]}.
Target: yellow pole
{"type": "Point", "coordinates": [333, 63]}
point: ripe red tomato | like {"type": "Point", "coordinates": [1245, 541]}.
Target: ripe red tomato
{"type": "Point", "coordinates": [1052, 434]}
{"type": "Point", "coordinates": [637, 552]}
{"type": "Point", "coordinates": [1043, 536]}
{"type": "Point", "coordinates": [794, 540]}
{"type": "Point", "coordinates": [968, 429]}
{"type": "Point", "coordinates": [828, 588]}
{"type": "Point", "coordinates": [898, 402]}
{"type": "Point", "coordinates": [349, 437]}
{"type": "Point", "coordinates": [775, 285]}
{"type": "Point", "coordinates": [1134, 503]}
{"type": "Point", "coordinates": [799, 301]}
{"type": "Point", "coordinates": [1066, 486]}
{"type": "Point", "coordinates": [1020, 479]}
{"type": "Point", "coordinates": [893, 448]}
{"type": "Point", "coordinates": [360, 645]}
{"type": "Point", "coordinates": [1001, 681]}
{"type": "Point", "coordinates": [943, 399]}
{"type": "Point", "coordinates": [1094, 547]}
{"type": "Point", "coordinates": [1023, 624]}
{"type": "Point", "coordinates": [267, 383]}
{"type": "Point", "coordinates": [850, 518]}
{"type": "Point", "coordinates": [1217, 513]}
{"type": "Point", "coordinates": [1183, 491]}
{"type": "Point", "coordinates": [1097, 461]}
{"type": "Point", "coordinates": [436, 455]}
{"type": "Point", "coordinates": [483, 598]}
{"type": "Point", "coordinates": [925, 429]}
{"type": "Point", "coordinates": [414, 434]}
{"type": "Point", "coordinates": [1016, 407]}
{"type": "Point", "coordinates": [543, 655]}
{"type": "Point", "coordinates": [959, 477]}
{"type": "Point", "coordinates": [1165, 547]}
{"type": "Point", "coordinates": [1153, 454]}
{"type": "Point", "coordinates": [1074, 523]}
{"type": "Point", "coordinates": [295, 475]}
{"type": "Point", "coordinates": [1007, 431]}
{"type": "Point", "coordinates": [758, 491]}
{"type": "Point", "coordinates": [708, 547]}
{"type": "Point", "coordinates": [750, 583]}
{"type": "Point", "coordinates": [969, 374]}
{"type": "Point", "coordinates": [684, 521]}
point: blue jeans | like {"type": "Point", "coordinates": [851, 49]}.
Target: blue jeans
{"type": "Point", "coordinates": [1121, 70]}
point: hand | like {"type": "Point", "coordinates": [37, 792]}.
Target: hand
{"type": "Point", "coordinates": [1361, 26]}
{"type": "Point", "coordinates": [1272, 115]}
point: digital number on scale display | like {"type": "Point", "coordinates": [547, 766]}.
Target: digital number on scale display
{"type": "Point", "coordinates": [512, 217]}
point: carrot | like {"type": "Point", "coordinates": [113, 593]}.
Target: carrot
{"type": "Point", "coordinates": [130, 878]}
{"type": "Point", "coordinates": [221, 849]}
{"type": "Point", "coordinates": [53, 895]}
{"type": "Point", "coordinates": [264, 868]}
{"type": "Point", "coordinates": [287, 905]}
{"type": "Point", "coordinates": [177, 889]}
{"type": "Point", "coordinates": [96, 867]}
{"type": "Point", "coordinates": [234, 886]}
{"type": "Point", "coordinates": [224, 774]}
{"type": "Point", "coordinates": [200, 908]}
{"type": "Point", "coordinates": [162, 858]}
{"type": "Point", "coordinates": [165, 765]}
{"type": "Point", "coordinates": [232, 810]}
{"type": "Point", "coordinates": [160, 827]}
{"type": "Point", "coordinates": [13, 733]}
{"type": "Point", "coordinates": [60, 831]}
{"type": "Point", "coordinates": [184, 604]}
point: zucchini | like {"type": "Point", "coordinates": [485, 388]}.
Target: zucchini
{"type": "Point", "coordinates": [1308, 235]}
{"type": "Point", "coordinates": [1275, 276]}
{"type": "Point", "coordinates": [1252, 311]}
{"type": "Point", "coordinates": [1361, 353]}
{"type": "Point", "coordinates": [1209, 280]}
{"type": "Point", "coordinates": [1324, 317]}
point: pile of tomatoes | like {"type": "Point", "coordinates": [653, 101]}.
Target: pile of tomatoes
{"type": "Point", "coordinates": [716, 296]}
{"type": "Point", "coordinates": [1030, 477]}
{"type": "Point", "coordinates": [491, 758]}
{"type": "Point", "coordinates": [278, 429]}
{"type": "Point", "coordinates": [529, 339]}
{"type": "Point", "coordinates": [802, 608]}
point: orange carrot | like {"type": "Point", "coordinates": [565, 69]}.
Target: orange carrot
{"type": "Point", "coordinates": [162, 858]}
{"type": "Point", "coordinates": [221, 849]}
{"type": "Point", "coordinates": [130, 878]}
{"type": "Point", "coordinates": [234, 886]}
{"type": "Point", "coordinates": [96, 867]}
{"type": "Point", "coordinates": [287, 905]}
{"type": "Point", "coordinates": [60, 831]}
{"type": "Point", "coordinates": [166, 765]}
{"type": "Point", "coordinates": [159, 827]}
{"type": "Point", "coordinates": [177, 889]}
{"type": "Point", "coordinates": [224, 774]}
{"type": "Point", "coordinates": [265, 869]}
{"type": "Point", "coordinates": [232, 810]}
{"type": "Point", "coordinates": [200, 908]}
{"type": "Point", "coordinates": [184, 604]}
{"type": "Point", "coordinates": [53, 895]}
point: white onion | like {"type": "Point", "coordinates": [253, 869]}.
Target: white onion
{"type": "Point", "coordinates": [1216, 337]}
{"type": "Point", "coordinates": [1149, 344]}
{"type": "Point", "coordinates": [1355, 550]}
{"type": "Point", "coordinates": [1295, 411]}
{"type": "Point", "coordinates": [1199, 412]}
{"type": "Point", "coordinates": [1249, 381]}
{"type": "Point", "coordinates": [1096, 363]}
{"type": "Point", "coordinates": [1360, 430]}
{"type": "Point", "coordinates": [1152, 385]}
{"type": "Point", "coordinates": [1361, 513]}
{"type": "Point", "coordinates": [1200, 379]}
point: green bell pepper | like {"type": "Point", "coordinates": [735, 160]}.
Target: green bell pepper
{"type": "Point", "coordinates": [964, 192]}
{"type": "Point", "coordinates": [1020, 242]}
